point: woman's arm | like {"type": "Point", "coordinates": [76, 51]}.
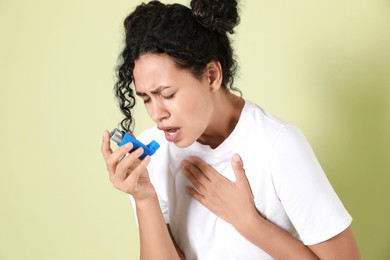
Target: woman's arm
{"type": "Point", "coordinates": [130, 175]}
{"type": "Point", "coordinates": [281, 245]}
{"type": "Point", "coordinates": [155, 239]}
{"type": "Point", "coordinates": [272, 239]}
{"type": "Point", "coordinates": [341, 246]}
{"type": "Point", "coordinates": [179, 252]}
{"type": "Point", "coordinates": [232, 200]}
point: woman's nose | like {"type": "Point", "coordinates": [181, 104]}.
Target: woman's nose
{"type": "Point", "coordinates": [159, 112]}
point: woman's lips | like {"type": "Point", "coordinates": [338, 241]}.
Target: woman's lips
{"type": "Point", "coordinates": [172, 134]}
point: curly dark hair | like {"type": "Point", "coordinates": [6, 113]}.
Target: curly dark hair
{"type": "Point", "coordinates": [192, 37]}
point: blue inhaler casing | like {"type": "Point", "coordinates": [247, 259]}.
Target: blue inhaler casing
{"type": "Point", "coordinates": [122, 138]}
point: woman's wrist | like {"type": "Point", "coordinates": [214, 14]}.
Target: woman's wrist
{"type": "Point", "coordinates": [247, 222]}
{"type": "Point", "coordinates": [145, 202]}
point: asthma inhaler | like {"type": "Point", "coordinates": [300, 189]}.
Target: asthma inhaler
{"type": "Point", "coordinates": [122, 138]}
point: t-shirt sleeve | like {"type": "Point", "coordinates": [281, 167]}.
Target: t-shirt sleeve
{"type": "Point", "coordinates": [304, 190]}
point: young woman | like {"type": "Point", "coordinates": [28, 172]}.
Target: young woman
{"type": "Point", "coordinates": [230, 181]}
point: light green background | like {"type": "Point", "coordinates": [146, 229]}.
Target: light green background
{"type": "Point", "coordinates": [321, 65]}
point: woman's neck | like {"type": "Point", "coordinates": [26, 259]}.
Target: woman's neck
{"type": "Point", "coordinates": [227, 111]}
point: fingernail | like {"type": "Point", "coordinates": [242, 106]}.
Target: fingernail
{"type": "Point", "coordinates": [146, 159]}
{"type": "Point", "coordinates": [236, 157]}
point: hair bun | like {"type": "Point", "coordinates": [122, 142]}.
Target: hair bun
{"type": "Point", "coordinates": [217, 15]}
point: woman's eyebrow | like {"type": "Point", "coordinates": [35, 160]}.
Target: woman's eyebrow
{"type": "Point", "coordinates": [155, 91]}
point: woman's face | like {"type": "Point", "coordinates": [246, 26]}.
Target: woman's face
{"type": "Point", "coordinates": [180, 104]}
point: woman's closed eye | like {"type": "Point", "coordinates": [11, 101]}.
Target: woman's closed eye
{"type": "Point", "coordinates": [146, 100]}
{"type": "Point", "coordinates": [170, 96]}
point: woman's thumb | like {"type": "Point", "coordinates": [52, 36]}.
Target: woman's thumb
{"type": "Point", "coordinates": [238, 167]}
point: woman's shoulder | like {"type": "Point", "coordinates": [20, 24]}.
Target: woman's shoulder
{"type": "Point", "coordinates": [268, 128]}
{"type": "Point", "coordinates": [262, 118]}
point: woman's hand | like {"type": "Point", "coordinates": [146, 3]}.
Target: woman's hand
{"type": "Point", "coordinates": [226, 199]}
{"type": "Point", "coordinates": [127, 173]}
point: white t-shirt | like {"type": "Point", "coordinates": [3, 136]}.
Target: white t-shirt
{"type": "Point", "coordinates": [289, 187]}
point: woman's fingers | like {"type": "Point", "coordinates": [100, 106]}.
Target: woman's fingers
{"type": "Point", "coordinates": [196, 195]}
{"type": "Point", "coordinates": [105, 148]}
{"type": "Point", "coordinates": [203, 167]}
{"type": "Point", "coordinates": [238, 168]}
{"type": "Point", "coordinates": [195, 175]}
{"type": "Point", "coordinates": [127, 172]}
{"type": "Point", "coordinates": [116, 157]}
{"type": "Point", "coordinates": [133, 180]}
{"type": "Point", "coordinates": [128, 164]}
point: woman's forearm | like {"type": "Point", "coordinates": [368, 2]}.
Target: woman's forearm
{"type": "Point", "coordinates": [155, 241]}
{"type": "Point", "coordinates": [272, 239]}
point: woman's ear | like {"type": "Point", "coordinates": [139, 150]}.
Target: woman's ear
{"type": "Point", "coordinates": [213, 74]}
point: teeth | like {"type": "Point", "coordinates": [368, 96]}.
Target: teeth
{"type": "Point", "coordinates": [172, 131]}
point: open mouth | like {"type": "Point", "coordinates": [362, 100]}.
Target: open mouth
{"type": "Point", "coordinates": [172, 134]}
{"type": "Point", "coordinates": [172, 131]}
